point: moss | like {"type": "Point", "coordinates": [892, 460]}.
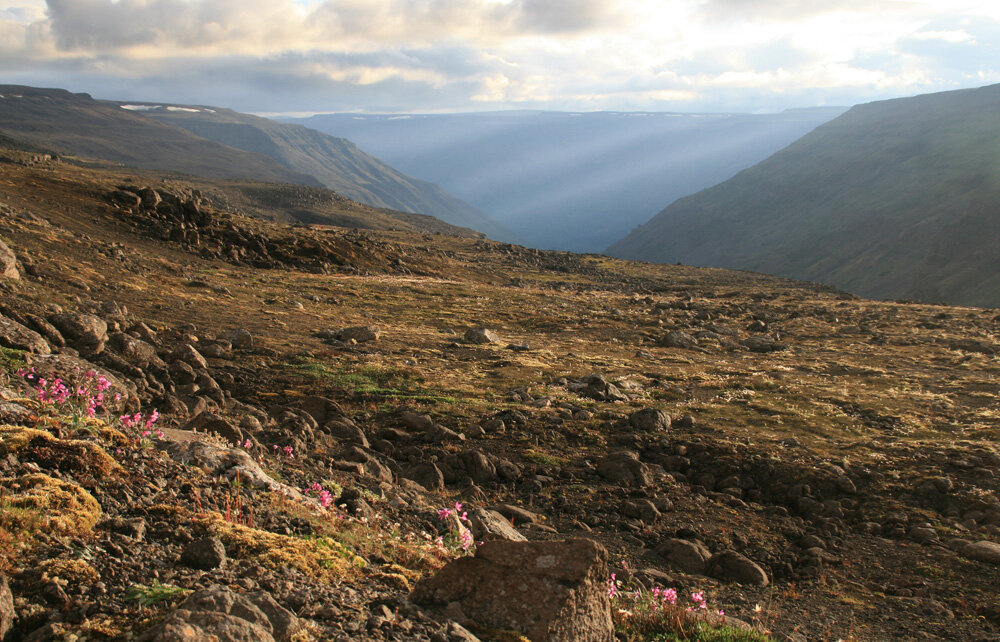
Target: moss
{"type": "Point", "coordinates": [35, 502]}
{"type": "Point", "coordinates": [321, 558]}
{"type": "Point", "coordinates": [72, 573]}
{"type": "Point", "coordinates": [11, 360]}
{"type": "Point", "coordinates": [86, 455]}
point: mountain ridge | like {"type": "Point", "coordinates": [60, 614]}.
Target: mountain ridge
{"type": "Point", "coordinates": [893, 199]}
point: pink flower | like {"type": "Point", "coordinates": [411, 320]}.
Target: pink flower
{"type": "Point", "coordinates": [288, 451]}
{"type": "Point", "coordinates": [670, 595]}
{"type": "Point", "coordinates": [246, 444]}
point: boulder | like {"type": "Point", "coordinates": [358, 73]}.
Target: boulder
{"type": "Point", "coordinates": [135, 351]}
{"type": "Point", "coordinates": [762, 344]}
{"type": "Point", "coordinates": [204, 554]}
{"type": "Point", "coordinates": [552, 591]}
{"type": "Point", "coordinates": [649, 420]}
{"type": "Point", "coordinates": [16, 336]}
{"type": "Point", "coordinates": [624, 467]}
{"type": "Point", "coordinates": [481, 335]}
{"type": "Point", "coordinates": [189, 355]}
{"type": "Point", "coordinates": [217, 613]}
{"type": "Point", "coordinates": [488, 525]}
{"type": "Point", "coordinates": [983, 551]}
{"type": "Point", "coordinates": [7, 613]}
{"type": "Point", "coordinates": [684, 555]}
{"type": "Point", "coordinates": [733, 567]}
{"type": "Point", "coordinates": [209, 422]}
{"type": "Point", "coordinates": [678, 339]}
{"type": "Point", "coordinates": [8, 263]}
{"type": "Point", "coordinates": [359, 333]}
{"type": "Point", "coordinates": [427, 475]}
{"type": "Point", "coordinates": [87, 332]}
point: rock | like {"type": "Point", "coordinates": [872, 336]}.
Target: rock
{"type": "Point", "coordinates": [16, 336]}
{"type": "Point", "coordinates": [685, 555]}
{"type": "Point", "coordinates": [517, 514]}
{"type": "Point", "coordinates": [204, 554]}
{"type": "Point", "coordinates": [481, 335]}
{"type": "Point", "coordinates": [552, 591]}
{"type": "Point", "coordinates": [46, 329]}
{"type": "Point", "coordinates": [345, 429]}
{"type": "Point", "coordinates": [678, 339]}
{"type": "Point", "coordinates": [209, 422]}
{"type": "Point", "coordinates": [7, 613]}
{"type": "Point", "coordinates": [983, 551]}
{"type": "Point", "coordinates": [188, 354]}
{"type": "Point", "coordinates": [731, 566]}
{"type": "Point", "coordinates": [490, 525]}
{"type": "Point", "coordinates": [415, 421]}
{"type": "Point", "coordinates": [359, 333]}
{"type": "Point", "coordinates": [8, 263]}
{"type": "Point", "coordinates": [641, 509]}
{"type": "Point", "coordinates": [87, 332]}
{"type": "Point", "coordinates": [239, 339]}
{"type": "Point", "coordinates": [649, 420]}
{"type": "Point", "coordinates": [218, 614]}
{"type": "Point", "coordinates": [762, 344]}
{"type": "Point", "coordinates": [624, 467]}
{"type": "Point", "coordinates": [427, 475]}
{"type": "Point", "coordinates": [134, 351]}
{"type": "Point", "coordinates": [479, 467]}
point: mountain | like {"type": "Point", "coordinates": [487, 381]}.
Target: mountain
{"type": "Point", "coordinates": [574, 181]}
{"type": "Point", "coordinates": [894, 199]}
{"type": "Point", "coordinates": [218, 143]}
{"type": "Point", "coordinates": [76, 124]}
{"type": "Point", "coordinates": [338, 163]}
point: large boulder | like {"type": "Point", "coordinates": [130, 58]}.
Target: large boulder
{"type": "Point", "coordinates": [489, 525]}
{"type": "Point", "coordinates": [730, 566]}
{"type": "Point", "coordinates": [359, 334]}
{"type": "Point", "coordinates": [86, 332]}
{"type": "Point", "coordinates": [16, 336]}
{"type": "Point", "coordinates": [649, 420]}
{"type": "Point", "coordinates": [134, 351]}
{"type": "Point", "coordinates": [217, 613]}
{"type": "Point", "coordinates": [684, 555]}
{"type": "Point", "coordinates": [625, 468]}
{"type": "Point", "coordinates": [984, 551]}
{"type": "Point", "coordinates": [8, 263]}
{"type": "Point", "coordinates": [552, 591]}
{"type": "Point", "coordinates": [678, 339]}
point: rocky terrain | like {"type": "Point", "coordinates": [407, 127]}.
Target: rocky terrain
{"type": "Point", "coordinates": [264, 431]}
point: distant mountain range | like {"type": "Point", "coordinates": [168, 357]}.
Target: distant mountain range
{"type": "Point", "coordinates": [894, 199]}
{"type": "Point", "coordinates": [574, 181]}
{"type": "Point", "coordinates": [219, 143]}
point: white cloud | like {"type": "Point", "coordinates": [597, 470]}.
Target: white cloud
{"type": "Point", "coordinates": [440, 54]}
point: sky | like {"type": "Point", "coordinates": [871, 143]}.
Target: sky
{"type": "Point", "coordinates": [378, 56]}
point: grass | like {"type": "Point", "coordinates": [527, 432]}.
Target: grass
{"type": "Point", "coordinates": [371, 382]}
{"type": "Point", "coordinates": [150, 595]}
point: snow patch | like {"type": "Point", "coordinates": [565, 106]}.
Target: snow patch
{"type": "Point", "coordinates": [188, 109]}
{"type": "Point", "coordinates": [139, 107]}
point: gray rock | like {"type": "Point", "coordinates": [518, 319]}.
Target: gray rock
{"type": "Point", "coordinates": [982, 551]}
{"type": "Point", "coordinates": [649, 420]}
{"type": "Point", "coordinates": [134, 351]}
{"type": "Point", "coordinates": [87, 332]}
{"type": "Point", "coordinates": [427, 475]}
{"type": "Point", "coordinates": [488, 525]}
{"type": "Point", "coordinates": [685, 555]}
{"type": "Point", "coordinates": [552, 591]}
{"type": "Point", "coordinates": [641, 509]}
{"type": "Point", "coordinates": [218, 614]}
{"type": "Point", "coordinates": [731, 566]}
{"type": "Point", "coordinates": [8, 263]}
{"type": "Point", "coordinates": [204, 554]}
{"type": "Point", "coordinates": [763, 344]}
{"type": "Point", "coordinates": [624, 467]}
{"type": "Point", "coordinates": [678, 339]}
{"type": "Point", "coordinates": [16, 336]}
{"type": "Point", "coordinates": [481, 335]}
{"type": "Point", "coordinates": [359, 333]}
{"type": "Point", "coordinates": [7, 613]}
{"type": "Point", "coordinates": [189, 355]}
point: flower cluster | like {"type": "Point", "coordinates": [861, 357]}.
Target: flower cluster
{"type": "Point", "coordinates": [643, 612]}
{"type": "Point", "coordinates": [287, 450]}
{"type": "Point", "coordinates": [459, 536]}
{"type": "Point", "coordinates": [143, 426]}
{"type": "Point", "coordinates": [324, 496]}
{"type": "Point", "coordinates": [81, 400]}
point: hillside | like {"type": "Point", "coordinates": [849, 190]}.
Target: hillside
{"type": "Point", "coordinates": [336, 162]}
{"type": "Point", "coordinates": [894, 199]}
{"type": "Point", "coordinates": [329, 434]}
{"type": "Point", "coordinates": [78, 125]}
{"type": "Point", "coordinates": [572, 181]}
